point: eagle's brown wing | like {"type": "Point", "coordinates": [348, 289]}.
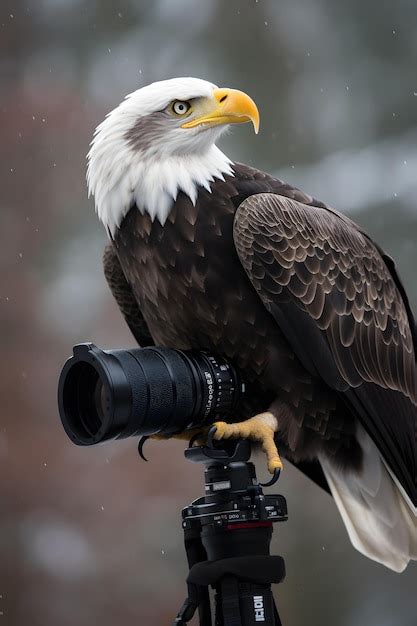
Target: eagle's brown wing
{"type": "Point", "coordinates": [339, 305]}
{"type": "Point", "coordinates": [124, 297]}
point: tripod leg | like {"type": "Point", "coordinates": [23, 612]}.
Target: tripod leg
{"type": "Point", "coordinates": [204, 610]}
{"type": "Point", "coordinates": [185, 613]}
{"type": "Point", "coordinates": [227, 603]}
{"type": "Point", "coordinates": [276, 616]}
{"type": "Point", "coordinates": [245, 604]}
{"type": "Point", "coordinates": [198, 597]}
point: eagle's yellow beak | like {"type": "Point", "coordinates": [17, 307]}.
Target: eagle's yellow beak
{"type": "Point", "coordinates": [231, 106]}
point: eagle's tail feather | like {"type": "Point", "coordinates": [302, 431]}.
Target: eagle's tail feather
{"type": "Point", "coordinates": [379, 521]}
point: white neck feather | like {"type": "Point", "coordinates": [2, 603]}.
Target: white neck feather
{"type": "Point", "coordinates": [120, 178]}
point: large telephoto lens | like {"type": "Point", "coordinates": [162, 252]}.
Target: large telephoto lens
{"type": "Point", "coordinates": [112, 394]}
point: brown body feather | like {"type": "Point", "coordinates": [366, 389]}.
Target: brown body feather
{"type": "Point", "coordinates": [317, 314]}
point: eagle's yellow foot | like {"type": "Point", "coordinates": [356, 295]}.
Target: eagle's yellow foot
{"type": "Point", "coordinates": [260, 428]}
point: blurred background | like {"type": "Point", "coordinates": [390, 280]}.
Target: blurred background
{"type": "Point", "coordinates": [94, 535]}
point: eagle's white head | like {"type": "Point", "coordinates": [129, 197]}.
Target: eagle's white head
{"type": "Point", "coordinates": [161, 140]}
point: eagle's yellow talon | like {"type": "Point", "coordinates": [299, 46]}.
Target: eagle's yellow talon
{"type": "Point", "coordinates": [259, 428]}
{"type": "Point", "coordinates": [221, 430]}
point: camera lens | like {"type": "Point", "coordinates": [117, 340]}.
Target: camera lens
{"type": "Point", "coordinates": [119, 393]}
{"type": "Point", "coordinates": [99, 401]}
{"type": "Point", "coordinates": [82, 399]}
{"type": "Point", "coordinates": [86, 396]}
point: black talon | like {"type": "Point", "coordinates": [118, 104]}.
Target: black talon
{"type": "Point", "coordinates": [210, 436]}
{"type": "Point", "coordinates": [194, 439]}
{"type": "Point", "coordinates": [277, 473]}
{"type": "Point", "coordinates": [141, 443]}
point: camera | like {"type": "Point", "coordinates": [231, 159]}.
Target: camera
{"type": "Point", "coordinates": [113, 394]}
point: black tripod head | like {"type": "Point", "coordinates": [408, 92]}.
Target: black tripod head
{"type": "Point", "coordinates": [233, 497]}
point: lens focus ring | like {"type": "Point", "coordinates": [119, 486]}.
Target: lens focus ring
{"type": "Point", "coordinates": [220, 387]}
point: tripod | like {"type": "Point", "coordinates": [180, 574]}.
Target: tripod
{"type": "Point", "coordinates": [227, 535]}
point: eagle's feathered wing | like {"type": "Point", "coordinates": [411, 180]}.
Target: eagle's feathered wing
{"type": "Point", "coordinates": [338, 304]}
{"type": "Point", "coordinates": [343, 309]}
{"type": "Point", "coordinates": [124, 296]}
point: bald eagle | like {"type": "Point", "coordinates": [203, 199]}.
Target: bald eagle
{"type": "Point", "coordinates": [205, 253]}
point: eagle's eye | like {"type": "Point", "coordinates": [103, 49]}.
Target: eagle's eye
{"type": "Point", "coordinates": [180, 107]}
